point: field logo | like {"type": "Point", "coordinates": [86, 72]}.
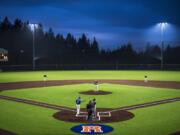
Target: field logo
{"type": "Point", "coordinates": [89, 129]}
{"type": "Point", "coordinates": [92, 129]}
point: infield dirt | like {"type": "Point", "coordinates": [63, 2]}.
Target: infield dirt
{"type": "Point", "coordinates": [33, 84]}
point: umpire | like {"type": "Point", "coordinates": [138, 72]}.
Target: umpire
{"type": "Point", "coordinates": [94, 107]}
{"type": "Point", "coordinates": [89, 108]}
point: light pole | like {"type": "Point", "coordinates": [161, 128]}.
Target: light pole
{"type": "Point", "coordinates": [33, 26]}
{"type": "Point", "coordinates": [163, 26]}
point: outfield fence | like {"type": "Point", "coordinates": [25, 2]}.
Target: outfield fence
{"type": "Point", "coordinates": [91, 67]}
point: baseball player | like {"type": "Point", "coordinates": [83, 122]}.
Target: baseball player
{"type": "Point", "coordinates": [45, 78]}
{"type": "Point", "coordinates": [78, 105]}
{"type": "Point", "coordinates": [96, 86]}
{"type": "Point", "coordinates": [145, 79]}
{"type": "Point", "coordinates": [89, 108]}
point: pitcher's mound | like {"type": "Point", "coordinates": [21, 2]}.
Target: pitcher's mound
{"type": "Point", "coordinates": [115, 116]}
{"type": "Point", "coordinates": [92, 92]}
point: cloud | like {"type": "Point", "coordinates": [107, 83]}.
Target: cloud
{"type": "Point", "coordinates": [111, 21]}
{"type": "Point", "coordinates": [128, 13]}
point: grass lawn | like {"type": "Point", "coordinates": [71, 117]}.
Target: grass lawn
{"type": "Point", "coordinates": [157, 120]}
{"type": "Point", "coordinates": [75, 75]}
{"type": "Point", "coordinates": [122, 95]}
{"type": "Point", "coordinates": [31, 120]}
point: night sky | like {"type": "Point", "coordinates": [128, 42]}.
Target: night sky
{"type": "Point", "coordinates": [112, 22]}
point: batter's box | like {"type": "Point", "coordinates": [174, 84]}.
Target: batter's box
{"type": "Point", "coordinates": [103, 114]}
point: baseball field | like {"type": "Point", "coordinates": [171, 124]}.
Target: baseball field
{"type": "Point", "coordinates": [31, 106]}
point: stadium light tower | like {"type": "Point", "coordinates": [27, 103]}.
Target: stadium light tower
{"type": "Point", "coordinates": [163, 26]}
{"type": "Point", "coordinates": [33, 26]}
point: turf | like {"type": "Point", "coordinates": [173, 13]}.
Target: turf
{"type": "Point", "coordinates": [122, 95]}
{"type": "Point", "coordinates": [75, 75]}
{"type": "Point", "coordinates": [26, 119]}
{"type": "Point", "coordinates": [156, 120]}
{"type": "Point", "coordinates": [31, 120]}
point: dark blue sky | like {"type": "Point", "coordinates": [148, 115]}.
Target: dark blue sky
{"type": "Point", "coordinates": [112, 22]}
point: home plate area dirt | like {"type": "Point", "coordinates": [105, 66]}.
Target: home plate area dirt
{"type": "Point", "coordinates": [102, 116]}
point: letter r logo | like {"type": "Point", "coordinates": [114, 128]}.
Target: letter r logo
{"type": "Point", "coordinates": [89, 129]}
{"type": "Point", "coordinates": [92, 129]}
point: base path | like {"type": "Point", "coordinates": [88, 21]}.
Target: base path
{"type": "Point", "coordinates": [148, 104]}
{"type": "Point", "coordinates": [34, 84]}
{"type": "Point", "coordinates": [105, 115]}
{"type": "Point", "coordinates": [36, 103]}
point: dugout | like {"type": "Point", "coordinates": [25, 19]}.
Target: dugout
{"type": "Point", "coordinates": [3, 55]}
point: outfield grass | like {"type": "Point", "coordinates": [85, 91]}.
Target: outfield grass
{"type": "Point", "coordinates": [76, 75]}
{"type": "Point", "coordinates": [122, 95]}
{"type": "Point", "coordinates": [32, 120]}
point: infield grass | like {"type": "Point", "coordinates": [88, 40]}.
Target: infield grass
{"type": "Point", "coordinates": [122, 95]}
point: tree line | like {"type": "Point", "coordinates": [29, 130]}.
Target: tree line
{"type": "Point", "coordinates": [53, 48]}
